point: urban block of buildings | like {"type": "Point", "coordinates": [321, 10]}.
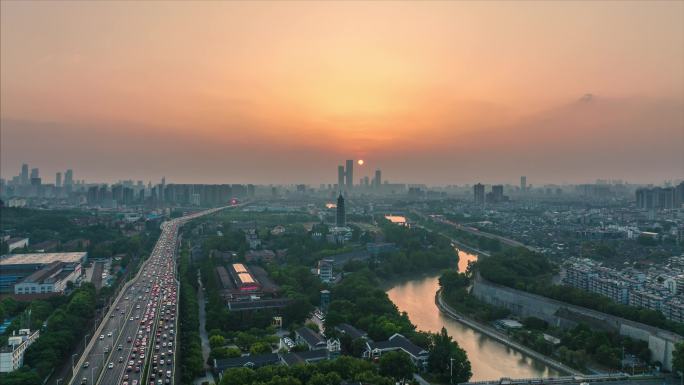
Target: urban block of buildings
{"type": "Point", "coordinates": [660, 290]}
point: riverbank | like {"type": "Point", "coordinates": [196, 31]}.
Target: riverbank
{"type": "Point", "coordinates": [500, 337]}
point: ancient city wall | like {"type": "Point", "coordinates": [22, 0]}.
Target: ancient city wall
{"type": "Point", "coordinates": [660, 342]}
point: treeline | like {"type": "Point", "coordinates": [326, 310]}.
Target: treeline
{"type": "Point", "coordinates": [419, 250]}
{"type": "Point", "coordinates": [62, 332]}
{"type": "Point", "coordinates": [359, 300]}
{"type": "Point", "coordinates": [525, 270]}
{"type": "Point", "coordinates": [322, 373]}
{"type": "Point", "coordinates": [191, 361]}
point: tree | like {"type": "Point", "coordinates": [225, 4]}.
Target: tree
{"type": "Point", "coordinates": [678, 358]}
{"type": "Point", "coordinates": [238, 376]}
{"type": "Point", "coordinates": [447, 358]}
{"type": "Point", "coordinates": [216, 341]}
{"type": "Point", "coordinates": [397, 365]}
{"type": "Point", "coordinates": [260, 348]}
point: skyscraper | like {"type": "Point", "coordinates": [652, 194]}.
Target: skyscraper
{"type": "Point", "coordinates": [479, 191]}
{"type": "Point", "coordinates": [523, 183]}
{"type": "Point", "coordinates": [24, 174]}
{"type": "Point", "coordinates": [378, 178]}
{"type": "Point", "coordinates": [340, 220]}
{"type": "Point", "coordinates": [340, 178]}
{"type": "Point", "coordinates": [58, 179]}
{"type": "Point", "coordinates": [350, 174]}
{"type": "Point", "coordinates": [69, 177]}
{"type": "Point", "coordinates": [497, 193]}
{"type": "Point", "coordinates": [35, 173]}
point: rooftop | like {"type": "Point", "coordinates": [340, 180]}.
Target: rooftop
{"type": "Point", "coordinates": [41, 258]}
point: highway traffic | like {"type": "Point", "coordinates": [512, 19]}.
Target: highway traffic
{"type": "Point", "coordinates": [136, 343]}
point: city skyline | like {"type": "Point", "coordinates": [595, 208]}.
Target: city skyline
{"type": "Point", "coordinates": [565, 92]}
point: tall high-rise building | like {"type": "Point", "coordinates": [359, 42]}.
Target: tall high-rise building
{"type": "Point", "coordinates": [349, 171]}
{"type": "Point", "coordinates": [340, 220]}
{"type": "Point", "coordinates": [378, 178]}
{"type": "Point", "coordinates": [24, 174]}
{"type": "Point", "coordinates": [69, 177]}
{"type": "Point", "coordinates": [340, 178]}
{"type": "Point", "coordinates": [497, 193]}
{"type": "Point", "coordinates": [35, 173]}
{"type": "Point", "coordinates": [58, 179]}
{"type": "Point", "coordinates": [523, 183]}
{"type": "Point", "coordinates": [479, 192]}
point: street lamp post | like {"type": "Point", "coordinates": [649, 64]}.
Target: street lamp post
{"type": "Point", "coordinates": [73, 366]}
{"type": "Point", "coordinates": [92, 374]}
{"type": "Point", "coordinates": [451, 370]}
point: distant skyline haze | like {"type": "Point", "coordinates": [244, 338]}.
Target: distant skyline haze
{"type": "Point", "coordinates": [283, 92]}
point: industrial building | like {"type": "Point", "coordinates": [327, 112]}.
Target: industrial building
{"type": "Point", "coordinates": [16, 267]}
{"type": "Point", "coordinates": [243, 283]}
{"type": "Point", "coordinates": [52, 278]}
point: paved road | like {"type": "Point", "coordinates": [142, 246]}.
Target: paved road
{"type": "Point", "coordinates": [133, 340]}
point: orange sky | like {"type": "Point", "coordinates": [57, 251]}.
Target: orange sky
{"type": "Point", "coordinates": [420, 89]}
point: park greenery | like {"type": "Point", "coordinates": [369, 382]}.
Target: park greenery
{"type": "Point", "coordinates": [357, 299]}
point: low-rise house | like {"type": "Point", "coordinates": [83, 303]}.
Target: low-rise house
{"type": "Point", "coordinates": [418, 355]}
{"type": "Point", "coordinates": [351, 331]}
{"type": "Point", "coordinates": [251, 361]}
{"type": "Point", "coordinates": [260, 255]}
{"type": "Point", "coordinates": [313, 340]}
{"type": "Point", "coordinates": [17, 243]}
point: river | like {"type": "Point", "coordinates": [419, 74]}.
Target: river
{"type": "Point", "coordinates": [489, 359]}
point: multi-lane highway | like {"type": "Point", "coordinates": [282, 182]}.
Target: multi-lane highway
{"type": "Point", "coordinates": [136, 343]}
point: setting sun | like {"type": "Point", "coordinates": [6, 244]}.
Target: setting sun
{"type": "Point", "coordinates": [360, 162]}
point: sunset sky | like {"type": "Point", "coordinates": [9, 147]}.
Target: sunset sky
{"type": "Point", "coordinates": [279, 92]}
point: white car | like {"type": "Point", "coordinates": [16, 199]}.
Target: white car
{"type": "Point", "coordinates": [111, 365]}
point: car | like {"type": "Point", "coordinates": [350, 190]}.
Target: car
{"type": "Point", "coordinates": [106, 349]}
{"type": "Point", "coordinates": [101, 336]}
{"type": "Point", "coordinates": [109, 334]}
{"type": "Point", "coordinates": [128, 369]}
{"type": "Point", "coordinates": [137, 369]}
{"type": "Point", "coordinates": [84, 381]}
{"type": "Point", "coordinates": [86, 364]}
{"type": "Point", "coordinates": [120, 359]}
{"type": "Point", "coordinates": [111, 365]}
{"type": "Point", "coordinates": [125, 377]}
{"type": "Point", "coordinates": [119, 347]}
{"type": "Point", "coordinates": [161, 362]}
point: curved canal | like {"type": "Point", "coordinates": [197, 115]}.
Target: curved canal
{"type": "Point", "coordinates": [489, 359]}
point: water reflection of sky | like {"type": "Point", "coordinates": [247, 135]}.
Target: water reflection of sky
{"type": "Point", "coordinates": [489, 359]}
